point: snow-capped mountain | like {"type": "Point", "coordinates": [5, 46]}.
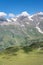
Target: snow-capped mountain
{"type": "Point", "coordinates": [14, 30]}
{"type": "Point", "coordinates": [24, 19]}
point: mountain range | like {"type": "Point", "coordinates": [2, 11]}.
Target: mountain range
{"type": "Point", "coordinates": [14, 30]}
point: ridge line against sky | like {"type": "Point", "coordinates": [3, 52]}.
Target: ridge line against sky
{"type": "Point", "coordinates": [12, 15]}
{"type": "Point", "coordinates": [18, 6]}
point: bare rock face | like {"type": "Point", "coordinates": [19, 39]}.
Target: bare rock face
{"type": "Point", "coordinates": [15, 30]}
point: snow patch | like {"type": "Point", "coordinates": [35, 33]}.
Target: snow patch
{"type": "Point", "coordinates": [27, 22]}
{"type": "Point", "coordinates": [14, 19]}
{"type": "Point", "coordinates": [39, 29]}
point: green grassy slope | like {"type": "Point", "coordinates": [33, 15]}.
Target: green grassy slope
{"type": "Point", "coordinates": [15, 35]}
{"type": "Point", "coordinates": [22, 46]}
{"type": "Point", "coordinates": [32, 58]}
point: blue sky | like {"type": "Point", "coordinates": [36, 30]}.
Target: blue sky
{"type": "Point", "coordinates": [18, 6]}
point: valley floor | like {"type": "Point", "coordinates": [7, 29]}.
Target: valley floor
{"type": "Point", "coordinates": [31, 58]}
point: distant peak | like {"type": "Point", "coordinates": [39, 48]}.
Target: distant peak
{"type": "Point", "coordinates": [40, 13]}
{"type": "Point", "coordinates": [24, 13]}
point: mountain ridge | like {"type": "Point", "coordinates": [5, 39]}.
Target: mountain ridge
{"type": "Point", "coordinates": [21, 29]}
{"type": "Point", "coordinates": [24, 19]}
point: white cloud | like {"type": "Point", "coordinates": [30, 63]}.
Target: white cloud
{"type": "Point", "coordinates": [2, 14]}
{"type": "Point", "coordinates": [11, 15]}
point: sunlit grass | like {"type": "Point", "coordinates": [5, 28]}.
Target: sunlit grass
{"type": "Point", "coordinates": [32, 58]}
